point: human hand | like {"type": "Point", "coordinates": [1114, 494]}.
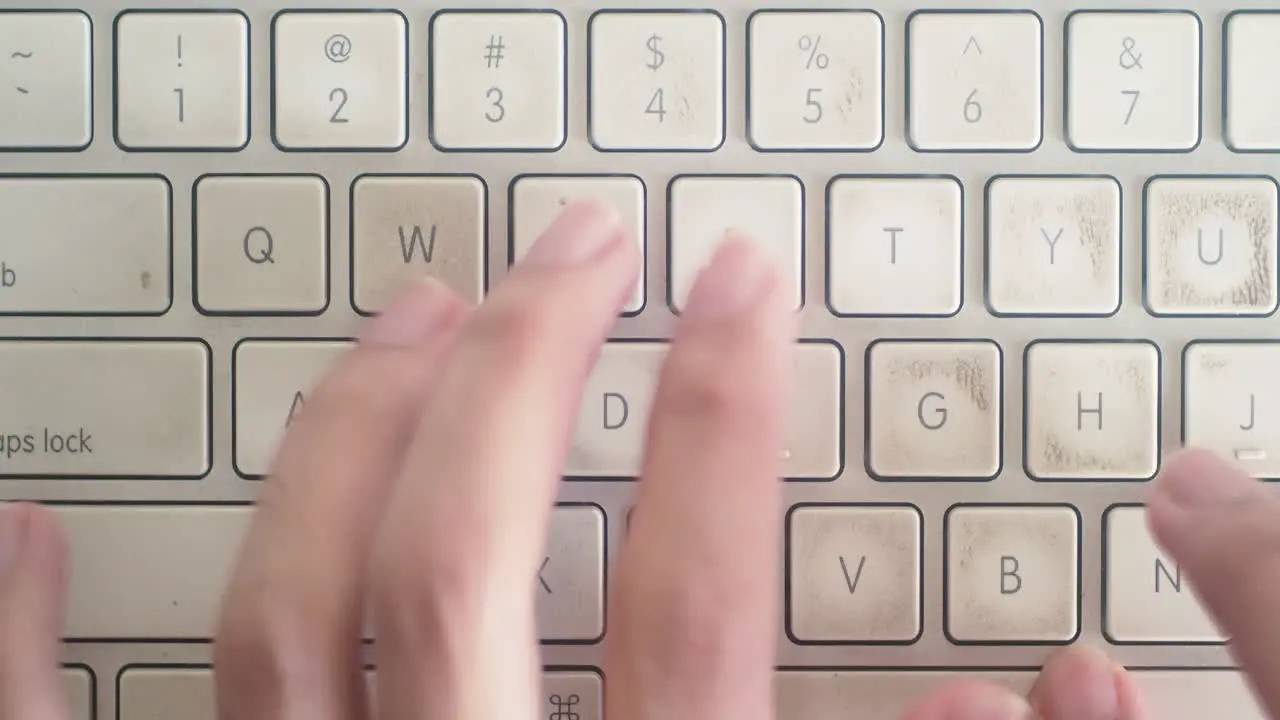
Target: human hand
{"type": "Point", "coordinates": [416, 486]}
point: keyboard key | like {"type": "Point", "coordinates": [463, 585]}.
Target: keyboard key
{"type": "Point", "coordinates": [657, 80]}
{"type": "Point", "coordinates": [975, 81]}
{"type": "Point", "coordinates": [934, 410]}
{"type": "Point", "coordinates": [104, 409]}
{"type": "Point", "coordinates": [1013, 573]}
{"type": "Point", "coordinates": [1053, 245]}
{"type": "Point", "coordinates": [610, 434]}
{"type": "Point", "coordinates": [816, 80]}
{"type": "Point", "coordinates": [77, 683]}
{"type": "Point", "coordinates": [182, 80]}
{"type": "Point", "coordinates": [272, 381]}
{"type": "Point", "coordinates": [1133, 80]}
{"type": "Point", "coordinates": [1193, 694]}
{"type": "Point", "coordinates": [704, 209]}
{"type": "Point", "coordinates": [163, 693]}
{"type": "Point", "coordinates": [408, 227]}
{"type": "Point", "coordinates": [1211, 246]}
{"type": "Point", "coordinates": [262, 244]}
{"type": "Point", "coordinates": [131, 570]}
{"type": "Point", "coordinates": [1092, 410]}
{"type": "Point", "coordinates": [1250, 94]}
{"type": "Point", "coordinates": [854, 573]}
{"type": "Point", "coordinates": [1147, 598]}
{"type": "Point", "coordinates": [498, 80]}
{"type": "Point", "coordinates": [536, 201]}
{"type": "Point", "coordinates": [895, 245]}
{"type": "Point", "coordinates": [46, 68]}
{"type": "Point", "coordinates": [85, 245]}
{"type": "Point", "coordinates": [1230, 400]}
{"type": "Point", "coordinates": [341, 80]}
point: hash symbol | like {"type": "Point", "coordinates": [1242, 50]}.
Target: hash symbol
{"type": "Point", "coordinates": [493, 52]}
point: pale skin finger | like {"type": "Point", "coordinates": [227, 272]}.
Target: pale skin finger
{"type": "Point", "coordinates": [289, 635]}
{"type": "Point", "coordinates": [457, 560]}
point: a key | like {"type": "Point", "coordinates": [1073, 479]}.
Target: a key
{"type": "Point", "coordinates": [188, 692]}
{"type": "Point", "coordinates": [1148, 599]}
{"type": "Point", "coordinates": [124, 584]}
{"type": "Point", "coordinates": [77, 684]}
{"type": "Point", "coordinates": [1053, 245]}
{"type": "Point", "coordinates": [705, 209]}
{"type": "Point", "coordinates": [498, 80]}
{"type": "Point", "coordinates": [1012, 573]}
{"type": "Point", "coordinates": [273, 379]}
{"type": "Point", "coordinates": [1229, 402]}
{"type": "Point", "coordinates": [182, 80]}
{"type": "Point", "coordinates": [536, 201]}
{"type": "Point", "coordinates": [1250, 94]}
{"type": "Point", "coordinates": [341, 80]}
{"type": "Point", "coordinates": [934, 410]}
{"type": "Point", "coordinates": [262, 244]}
{"type": "Point", "coordinates": [46, 68]}
{"type": "Point", "coordinates": [975, 81]}
{"type": "Point", "coordinates": [104, 409]}
{"type": "Point", "coordinates": [1193, 694]}
{"type": "Point", "coordinates": [1211, 246]}
{"type": "Point", "coordinates": [1092, 410]}
{"type": "Point", "coordinates": [1133, 81]}
{"type": "Point", "coordinates": [405, 228]}
{"type": "Point", "coordinates": [854, 573]}
{"type": "Point", "coordinates": [85, 246]}
{"type": "Point", "coordinates": [816, 80]}
{"type": "Point", "coordinates": [657, 80]}
{"type": "Point", "coordinates": [609, 436]}
{"type": "Point", "coordinates": [895, 246]}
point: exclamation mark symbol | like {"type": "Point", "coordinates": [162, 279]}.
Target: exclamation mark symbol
{"type": "Point", "coordinates": [179, 51]}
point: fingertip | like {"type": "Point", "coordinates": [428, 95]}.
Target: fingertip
{"type": "Point", "coordinates": [1078, 683]}
{"type": "Point", "coordinates": [580, 233]}
{"type": "Point", "coordinates": [414, 315]}
{"type": "Point", "coordinates": [1196, 478]}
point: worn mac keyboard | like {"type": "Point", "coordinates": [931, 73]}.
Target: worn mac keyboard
{"type": "Point", "coordinates": [1034, 252]}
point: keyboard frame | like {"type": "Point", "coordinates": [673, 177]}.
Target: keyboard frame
{"type": "Point", "coordinates": [894, 156]}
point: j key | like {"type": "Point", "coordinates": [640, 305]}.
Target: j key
{"type": "Point", "coordinates": [1231, 400]}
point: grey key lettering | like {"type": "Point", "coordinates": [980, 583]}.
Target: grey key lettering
{"type": "Point", "coordinates": [339, 97]}
{"type": "Point", "coordinates": [1010, 580]}
{"type": "Point", "coordinates": [1252, 413]}
{"type": "Point", "coordinates": [1053, 243]}
{"type": "Point", "coordinates": [1222, 234]}
{"type": "Point", "coordinates": [621, 411]}
{"type": "Point", "coordinates": [493, 55]}
{"type": "Point", "coordinates": [75, 442]}
{"type": "Point", "coordinates": [893, 244]}
{"type": "Point", "coordinates": [1081, 411]}
{"type": "Point", "coordinates": [12, 444]}
{"type": "Point", "coordinates": [542, 581]}
{"type": "Point", "coordinates": [657, 58]}
{"type": "Point", "coordinates": [415, 240]}
{"type": "Point", "coordinates": [972, 45]}
{"type": "Point", "coordinates": [7, 276]}
{"type": "Point", "coordinates": [298, 401]}
{"type": "Point", "coordinates": [1174, 579]}
{"type": "Point", "coordinates": [1129, 58]}
{"type": "Point", "coordinates": [496, 113]}
{"type": "Point", "coordinates": [852, 582]}
{"type": "Point", "coordinates": [182, 104]}
{"type": "Point", "coordinates": [259, 246]}
{"type": "Point", "coordinates": [939, 411]}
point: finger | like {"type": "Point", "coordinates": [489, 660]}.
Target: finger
{"type": "Point", "coordinates": [457, 561]}
{"type": "Point", "coordinates": [289, 634]}
{"type": "Point", "coordinates": [973, 701]}
{"type": "Point", "coordinates": [693, 620]}
{"type": "Point", "coordinates": [1223, 528]}
{"type": "Point", "coordinates": [1082, 683]}
{"type": "Point", "coordinates": [33, 583]}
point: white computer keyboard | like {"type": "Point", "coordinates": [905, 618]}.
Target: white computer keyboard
{"type": "Point", "coordinates": [1036, 250]}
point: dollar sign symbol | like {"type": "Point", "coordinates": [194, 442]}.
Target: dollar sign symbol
{"type": "Point", "coordinates": [658, 57]}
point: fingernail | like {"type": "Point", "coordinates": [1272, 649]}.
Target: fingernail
{"type": "Point", "coordinates": [736, 277]}
{"type": "Point", "coordinates": [10, 529]}
{"type": "Point", "coordinates": [1194, 479]}
{"type": "Point", "coordinates": [410, 317]}
{"type": "Point", "coordinates": [580, 232]}
{"type": "Point", "coordinates": [993, 707]}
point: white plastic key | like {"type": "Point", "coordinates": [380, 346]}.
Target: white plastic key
{"type": "Point", "coordinates": [1092, 410]}
{"type": "Point", "coordinates": [894, 245]}
{"type": "Point", "coordinates": [341, 80]}
{"type": "Point", "coordinates": [1133, 80]}
{"type": "Point", "coordinates": [1211, 246]}
{"type": "Point", "coordinates": [975, 81]}
{"type": "Point", "coordinates": [657, 80]}
{"type": "Point", "coordinates": [816, 80]}
{"type": "Point", "coordinates": [498, 80]}
{"type": "Point", "coordinates": [1231, 400]}
{"type": "Point", "coordinates": [705, 209]}
{"type": "Point", "coordinates": [182, 80]}
{"type": "Point", "coordinates": [1252, 97]}
{"type": "Point", "coordinates": [1053, 245]}
{"type": "Point", "coordinates": [45, 80]}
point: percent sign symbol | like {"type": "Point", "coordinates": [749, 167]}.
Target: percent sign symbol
{"type": "Point", "coordinates": [811, 45]}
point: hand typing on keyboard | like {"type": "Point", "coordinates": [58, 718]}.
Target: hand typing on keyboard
{"type": "Point", "coordinates": [415, 488]}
